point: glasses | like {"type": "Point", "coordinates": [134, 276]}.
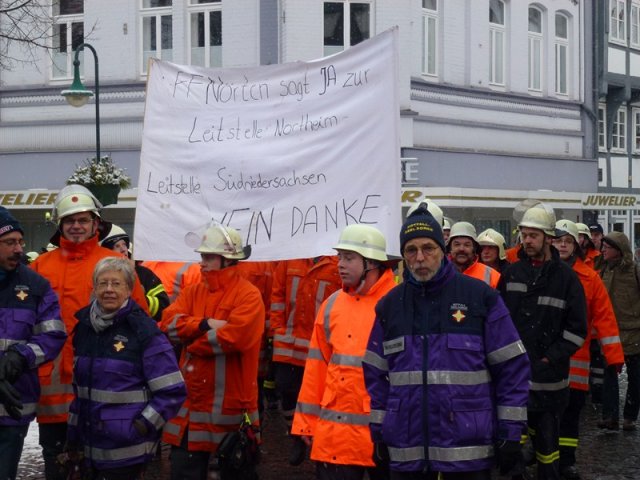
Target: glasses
{"type": "Point", "coordinates": [427, 251]}
{"type": "Point", "coordinates": [563, 241]}
{"type": "Point", "coordinates": [13, 243]}
{"type": "Point", "coordinates": [104, 284]}
{"type": "Point", "coordinates": [83, 222]}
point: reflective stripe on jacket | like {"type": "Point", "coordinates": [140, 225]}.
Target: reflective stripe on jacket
{"type": "Point", "coordinates": [220, 366]}
{"type": "Point", "coordinates": [333, 404]}
{"type": "Point", "coordinates": [29, 323]}
{"type": "Point", "coordinates": [69, 269]}
{"type": "Point", "coordinates": [287, 339]}
{"type": "Point", "coordinates": [601, 324]}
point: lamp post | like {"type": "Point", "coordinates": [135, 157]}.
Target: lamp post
{"type": "Point", "coordinates": [77, 95]}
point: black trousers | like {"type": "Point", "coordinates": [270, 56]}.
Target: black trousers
{"type": "Point", "coordinates": [132, 472]}
{"type": "Point", "coordinates": [546, 426]}
{"type": "Point", "coordinates": [477, 475]}
{"type": "Point", "coordinates": [570, 427]}
{"type": "Point", "coordinates": [331, 471]}
{"type": "Point", "coordinates": [52, 438]}
{"type": "Point", "coordinates": [288, 383]}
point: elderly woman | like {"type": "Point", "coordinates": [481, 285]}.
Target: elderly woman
{"type": "Point", "coordinates": [126, 380]}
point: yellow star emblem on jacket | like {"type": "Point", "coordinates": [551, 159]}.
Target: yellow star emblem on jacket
{"type": "Point", "coordinates": [458, 316]}
{"type": "Point", "coordinates": [118, 346]}
{"type": "Point", "coordinates": [22, 295]}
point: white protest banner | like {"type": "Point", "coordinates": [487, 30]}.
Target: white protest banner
{"type": "Point", "coordinates": [286, 154]}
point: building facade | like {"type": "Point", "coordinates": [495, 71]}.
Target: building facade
{"type": "Point", "coordinates": [499, 100]}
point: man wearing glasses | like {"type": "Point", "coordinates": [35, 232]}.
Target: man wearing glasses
{"type": "Point", "coordinates": [69, 268]}
{"type": "Point", "coordinates": [443, 362]}
{"type": "Point", "coordinates": [31, 334]}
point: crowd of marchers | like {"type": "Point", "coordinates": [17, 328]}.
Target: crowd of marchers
{"type": "Point", "coordinates": [461, 359]}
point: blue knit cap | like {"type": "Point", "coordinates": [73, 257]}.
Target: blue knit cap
{"type": "Point", "coordinates": [8, 223]}
{"type": "Point", "coordinates": [420, 223]}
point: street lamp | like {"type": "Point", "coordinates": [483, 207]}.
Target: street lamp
{"type": "Point", "coordinates": [77, 95]}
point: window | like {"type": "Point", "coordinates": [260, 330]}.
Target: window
{"type": "Point", "coordinates": [636, 130]}
{"type": "Point", "coordinates": [205, 24]}
{"type": "Point", "coordinates": [68, 33]}
{"type": "Point", "coordinates": [617, 20]}
{"type": "Point", "coordinates": [535, 49]}
{"type": "Point", "coordinates": [635, 24]}
{"type": "Point", "coordinates": [430, 37]}
{"type": "Point", "coordinates": [157, 37]}
{"type": "Point", "coordinates": [496, 42]}
{"type": "Point", "coordinates": [346, 23]}
{"type": "Point", "coordinates": [562, 54]}
{"type": "Point", "coordinates": [619, 130]}
{"type": "Point", "coordinates": [602, 129]}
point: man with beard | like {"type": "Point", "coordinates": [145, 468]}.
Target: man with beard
{"type": "Point", "coordinates": [445, 369]}
{"type": "Point", "coordinates": [548, 307]}
{"type": "Point", "coordinates": [31, 334]}
{"type": "Point", "coordinates": [463, 250]}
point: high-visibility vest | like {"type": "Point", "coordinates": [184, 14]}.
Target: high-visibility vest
{"type": "Point", "coordinates": [291, 343]}
{"type": "Point", "coordinates": [333, 404]}
{"type": "Point", "coordinates": [220, 366]}
{"type": "Point", "coordinates": [601, 324]}
{"type": "Point", "coordinates": [175, 276]}
{"type": "Point", "coordinates": [483, 272]}
{"type": "Point", "coordinates": [286, 282]}
{"type": "Point", "coordinates": [69, 270]}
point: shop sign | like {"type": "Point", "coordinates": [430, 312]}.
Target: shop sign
{"type": "Point", "coordinates": [27, 198]}
{"type": "Point", "coordinates": [603, 202]}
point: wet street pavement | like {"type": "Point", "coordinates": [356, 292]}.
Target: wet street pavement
{"type": "Point", "coordinates": [602, 454]}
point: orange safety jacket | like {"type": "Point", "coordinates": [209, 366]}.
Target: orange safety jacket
{"type": "Point", "coordinates": [69, 269]}
{"type": "Point", "coordinates": [483, 272]}
{"type": "Point", "coordinates": [601, 324]}
{"type": "Point", "coordinates": [291, 341]}
{"type": "Point", "coordinates": [260, 274]}
{"type": "Point", "coordinates": [220, 365]}
{"type": "Point", "coordinates": [175, 276]}
{"type": "Point", "coordinates": [286, 283]}
{"type": "Point", "coordinates": [512, 253]}
{"type": "Point", "coordinates": [591, 256]}
{"type": "Point", "coordinates": [333, 404]}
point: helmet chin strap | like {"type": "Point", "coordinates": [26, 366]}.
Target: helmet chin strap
{"type": "Point", "coordinates": [363, 277]}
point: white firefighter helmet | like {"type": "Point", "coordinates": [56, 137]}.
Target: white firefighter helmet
{"type": "Point", "coordinates": [31, 256]}
{"type": "Point", "coordinates": [584, 229]}
{"type": "Point", "coordinates": [366, 240]}
{"type": "Point", "coordinates": [114, 236]}
{"type": "Point", "coordinates": [567, 227]}
{"type": "Point", "coordinates": [432, 207]}
{"type": "Point", "coordinates": [463, 229]}
{"type": "Point", "coordinates": [74, 199]}
{"type": "Point", "coordinates": [493, 238]}
{"type": "Point", "coordinates": [224, 241]}
{"type": "Point", "coordinates": [446, 224]}
{"type": "Point", "coordinates": [541, 217]}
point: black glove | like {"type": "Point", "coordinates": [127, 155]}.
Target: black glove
{"type": "Point", "coordinates": [141, 427]}
{"type": "Point", "coordinates": [509, 456]}
{"type": "Point", "coordinates": [11, 400]}
{"type": "Point", "coordinates": [380, 454]}
{"type": "Point", "coordinates": [12, 364]}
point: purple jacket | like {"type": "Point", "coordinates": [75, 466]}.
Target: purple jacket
{"type": "Point", "coordinates": [30, 324]}
{"type": "Point", "coordinates": [447, 374]}
{"type": "Point", "coordinates": [127, 372]}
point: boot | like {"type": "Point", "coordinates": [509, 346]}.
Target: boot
{"type": "Point", "coordinates": [570, 472]}
{"type": "Point", "coordinates": [628, 425]}
{"type": "Point", "coordinates": [609, 424]}
{"type": "Point", "coordinates": [298, 451]}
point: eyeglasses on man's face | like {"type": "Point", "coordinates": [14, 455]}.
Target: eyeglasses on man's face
{"type": "Point", "coordinates": [427, 250]}
{"type": "Point", "coordinates": [13, 242]}
{"type": "Point", "coordinates": [83, 222]}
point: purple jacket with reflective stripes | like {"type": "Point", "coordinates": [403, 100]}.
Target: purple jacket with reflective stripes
{"type": "Point", "coordinates": [125, 373]}
{"type": "Point", "coordinates": [447, 374]}
{"type": "Point", "coordinates": [30, 324]}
